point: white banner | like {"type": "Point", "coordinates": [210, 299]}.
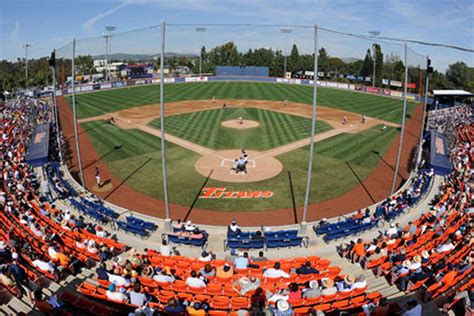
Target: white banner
{"type": "Point", "coordinates": [322, 83]}
{"type": "Point", "coordinates": [397, 94]}
{"type": "Point", "coordinates": [170, 80]}
{"type": "Point", "coordinates": [106, 86]}
{"type": "Point", "coordinates": [140, 82]}
{"type": "Point", "coordinates": [155, 80]}
{"type": "Point", "coordinates": [394, 83]}
{"type": "Point", "coordinates": [86, 88]}
{"type": "Point", "coordinates": [352, 87]}
{"type": "Point", "coordinates": [332, 84]}
{"type": "Point", "coordinates": [59, 92]}
{"type": "Point", "coordinates": [320, 74]}
{"type": "Point", "coordinates": [385, 81]}
{"type": "Point", "coordinates": [343, 86]}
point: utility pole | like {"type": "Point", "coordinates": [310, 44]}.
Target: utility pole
{"type": "Point", "coordinates": [286, 32]}
{"type": "Point", "coordinates": [374, 34]}
{"type": "Point", "coordinates": [26, 46]}
{"type": "Point", "coordinates": [200, 30]}
{"type": "Point", "coordinates": [108, 48]}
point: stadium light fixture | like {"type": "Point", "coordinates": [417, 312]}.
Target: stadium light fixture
{"type": "Point", "coordinates": [286, 32]}
{"type": "Point", "coordinates": [108, 48]}
{"type": "Point", "coordinates": [26, 46]}
{"type": "Point", "coordinates": [374, 34]}
{"type": "Point", "coordinates": [200, 30]}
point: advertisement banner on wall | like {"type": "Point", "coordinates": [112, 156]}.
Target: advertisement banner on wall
{"type": "Point", "coordinates": [320, 74]}
{"type": "Point", "coordinates": [394, 83]}
{"type": "Point", "coordinates": [397, 94]}
{"type": "Point", "coordinates": [155, 80]}
{"type": "Point", "coordinates": [86, 88]}
{"type": "Point", "coordinates": [352, 87]}
{"type": "Point", "coordinates": [120, 84]}
{"type": "Point", "coordinates": [411, 97]}
{"type": "Point", "coordinates": [106, 86]}
{"type": "Point", "coordinates": [332, 84]}
{"type": "Point", "coordinates": [387, 91]}
{"type": "Point", "coordinates": [372, 90]}
{"type": "Point", "coordinates": [343, 86]}
{"type": "Point", "coordinates": [411, 85]}
{"type": "Point", "coordinates": [200, 79]}
{"type": "Point", "coordinates": [385, 81]}
{"type": "Point", "coordinates": [170, 80]}
{"type": "Point", "coordinates": [96, 86]}
{"type": "Point", "coordinates": [190, 79]}
{"type": "Point", "coordinates": [138, 82]}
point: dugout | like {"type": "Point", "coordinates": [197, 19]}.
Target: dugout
{"type": "Point", "coordinates": [443, 99]}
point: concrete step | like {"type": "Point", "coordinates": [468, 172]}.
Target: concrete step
{"type": "Point", "coordinates": [19, 306]}
{"type": "Point", "coordinates": [391, 291]}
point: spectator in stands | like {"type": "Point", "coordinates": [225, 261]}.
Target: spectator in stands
{"type": "Point", "coordinates": [242, 261]}
{"type": "Point", "coordinates": [275, 272]}
{"type": "Point", "coordinates": [231, 257]}
{"type": "Point", "coordinates": [306, 268]}
{"type": "Point", "coordinates": [175, 307]}
{"type": "Point", "coordinates": [328, 287]}
{"type": "Point", "coordinates": [137, 298]}
{"type": "Point", "coordinates": [261, 257]}
{"type": "Point", "coordinates": [207, 271]}
{"type": "Point", "coordinates": [246, 284]}
{"type": "Point", "coordinates": [6, 278]}
{"type": "Point", "coordinates": [447, 246]}
{"type": "Point", "coordinates": [224, 272]}
{"type": "Point", "coordinates": [360, 283]}
{"type": "Point", "coordinates": [195, 309]}
{"type": "Point", "coordinates": [189, 226]}
{"type": "Point", "coordinates": [345, 285]}
{"type": "Point", "coordinates": [114, 295]}
{"type": "Point", "coordinates": [311, 290]}
{"type": "Point", "coordinates": [178, 226]}
{"type": "Point", "coordinates": [294, 292]}
{"type": "Point", "coordinates": [164, 275]}
{"type": "Point", "coordinates": [102, 273]}
{"type": "Point", "coordinates": [206, 256]}
{"type": "Point", "coordinates": [194, 281]}
{"type": "Point", "coordinates": [165, 249]}
{"type": "Point", "coordinates": [233, 228]}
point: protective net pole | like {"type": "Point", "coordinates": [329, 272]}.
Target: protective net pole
{"type": "Point", "coordinates": [313, 128]}
{"type": "Point", "coordinates": [162, 119]}
{"type": "Point", "coordinates": [56, 113]}
{"type": "Point", "coordinates": [400, 144]}
{"type": "Point", "coordinates": [425, 103]}
{"type": "Point", "coordinates": [78, 149]}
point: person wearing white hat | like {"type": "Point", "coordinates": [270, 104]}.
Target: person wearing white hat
{"type": "Point", "coordinates": [312, 289]}
{"type": "Point", "coordinates": [283, 308]}
{"type": "Point", "coordinates": [392, 231]}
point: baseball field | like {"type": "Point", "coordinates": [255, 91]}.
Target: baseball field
{"type": "Point", "coordinates": [203, 139]}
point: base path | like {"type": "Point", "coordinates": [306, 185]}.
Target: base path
{"type": "Point", "coordinates": [378, 183]}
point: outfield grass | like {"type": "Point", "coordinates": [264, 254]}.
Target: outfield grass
{"type": "Point", "coordinates": [331, 175]}
{"type": "Point", "coordinates": [97, 103]}
{"type": "Point", "coordinates": [204, 128]}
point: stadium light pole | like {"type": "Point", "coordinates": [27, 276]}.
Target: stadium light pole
{"type": "Point", "coordinates": [73, 75]}
{"type": "Point", "coordinates": [162, 125]}
{"type": "Point", "coordinates": [400, 144]}
{"type": "Point", "coordinates": [52, 64]}
{"type": "Point", "coordinates": [108, 47]}
{"type": "Point", "coordinates": [200, 30]}
{"type": "Point", "coordinates": [286, 32]}
{"type": "Point", "coordinates": [425, 103]}
{"type": "Point", "coordinates": [374, 34]}
{"type": "Point", "coordinates": [313, 129]}
{"type": "Point", "coordinates": [26, 46]}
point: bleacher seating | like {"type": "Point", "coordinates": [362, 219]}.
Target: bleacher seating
{"type": "Point", "coordinates": [270, 239]}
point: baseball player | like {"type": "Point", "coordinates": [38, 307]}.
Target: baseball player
{"type": "Point", "coordinates": [97, 176]}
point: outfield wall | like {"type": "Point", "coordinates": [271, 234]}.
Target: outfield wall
{"type": "Point", "coordinates": [328, 84]}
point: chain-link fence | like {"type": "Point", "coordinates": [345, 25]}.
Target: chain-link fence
{"type": "Point", "coordinates": [238, 119]}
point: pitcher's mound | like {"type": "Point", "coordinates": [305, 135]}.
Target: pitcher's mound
{"type": "Point", "coordinates": [258, 169]}
{"type": "Point", "coordinates": [245, 124]}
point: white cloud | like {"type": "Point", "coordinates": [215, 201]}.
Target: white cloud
{"type": "Point", "coordinates": [90, 24]}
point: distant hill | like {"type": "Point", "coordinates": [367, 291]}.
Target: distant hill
{"type": "Point", "coordinates": [349, 60]}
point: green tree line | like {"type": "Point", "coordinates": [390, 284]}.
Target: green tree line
{"type": "Point", "coordinates": [458, 75]}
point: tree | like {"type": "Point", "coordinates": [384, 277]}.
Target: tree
{"type": "Point", "coordinates": [294, 60]}
{"type": "Point", "coordinates": [460, 75]}
{"type": "Point", "coordinates": [323, 61]}
{"type": "Point", "coordinates": [378, 63]}
{"type": "Point", "coordinates": [367, 66]}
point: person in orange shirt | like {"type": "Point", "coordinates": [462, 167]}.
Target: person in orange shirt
{"type": "Point", "coordinates": [358, 250]}
{"type": "Point", "coordinates": [224, 272]}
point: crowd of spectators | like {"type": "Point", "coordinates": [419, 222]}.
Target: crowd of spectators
{"type": "Point", "coordinates": [439, 119]}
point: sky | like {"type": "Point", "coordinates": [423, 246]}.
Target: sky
{"type": "Point", "coordinates": [52, 24]}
